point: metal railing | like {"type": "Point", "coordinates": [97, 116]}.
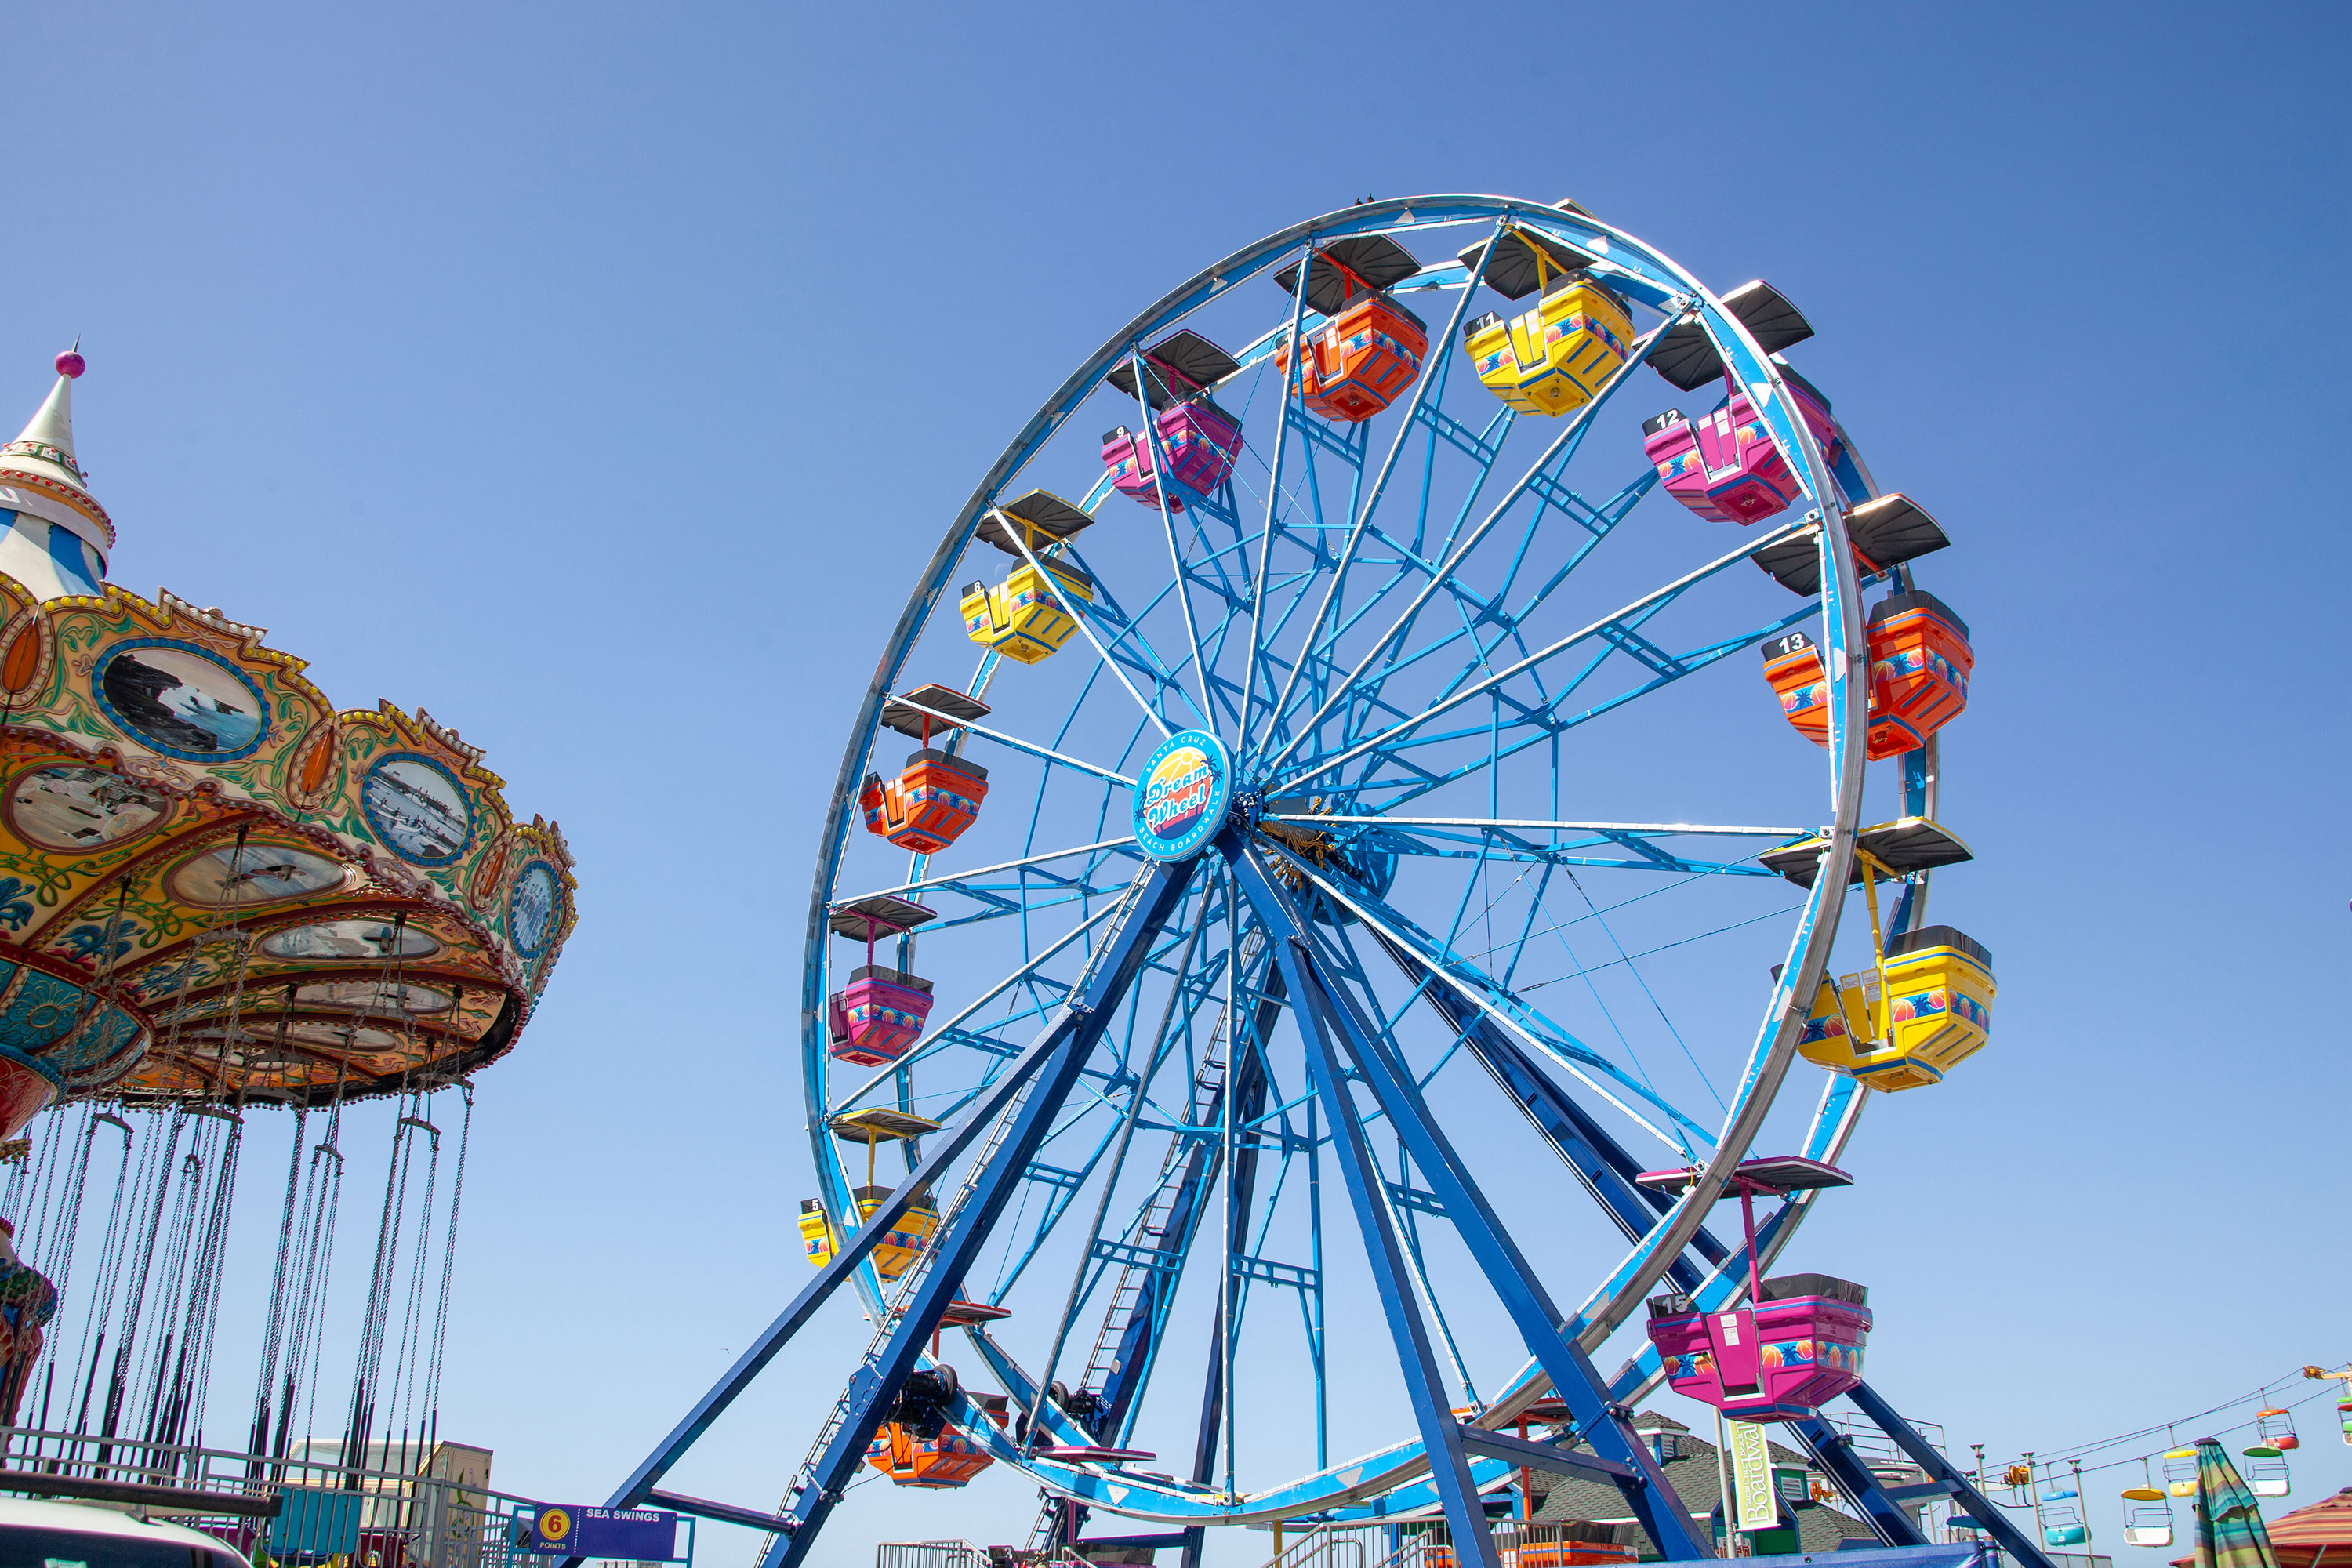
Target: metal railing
{"type": "Point", "coordinates": [286, 1511]}
{"type": "Point", "coordinates": [1429, 1543]}
{"type": "Point", "coordinates": [929, 1554]}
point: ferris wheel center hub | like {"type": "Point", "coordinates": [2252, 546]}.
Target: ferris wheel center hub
{"type": "Point", "coordinates": [1185, 792]}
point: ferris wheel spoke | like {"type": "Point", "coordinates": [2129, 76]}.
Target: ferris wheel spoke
{"type": "Point", "coordinates": [1508, 1009]}
{"type": "Point", "coordinates": [934, 1041]}
{"type": "Point", "coordinates": [1597, 521]}
{"type": "Point", "coordinates": [1082, 613]}
{"type": "Point", "coordinates": [1513, 1011]}
{"type": "Point", "coordinates": [956, 881]}
{"type": "Point", "coordinates": [1284, 415]}
{"type": "Point", "coordinates": [1545, 723]}
{"type": "Point", "coordinates": [1612, 628]}
{"type": "Point", "coordinates": [1179, 576]}
{"type": "Point", "coordinates": [1132, 647]}
{"type": "Point", "coordinates": [1013, 742]}
{"type": "Point", "coordinates": [1538, 480]}
{"type": "Point", "coordinates": [1424, 387]}
{"type": "Point", "coordinates": [1552, 843]}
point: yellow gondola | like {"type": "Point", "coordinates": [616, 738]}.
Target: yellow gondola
{"type": "Point", "coordinates": [817, 1233]}
{"type": "Point", "coordinates": [1030, 615]}
{"type": "Point", "coordinates": [904, 1241]}
{"type": "Point", "coordinates": [1559, 355]}
{"type": "Point", "coordinates": [1927, 1005]}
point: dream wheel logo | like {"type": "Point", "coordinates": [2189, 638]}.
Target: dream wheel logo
{"type": "Point", "coordinates": [1181, 800]}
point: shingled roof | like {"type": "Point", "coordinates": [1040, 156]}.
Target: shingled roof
{"type": "Point", "coordinates": [1693, 1472]}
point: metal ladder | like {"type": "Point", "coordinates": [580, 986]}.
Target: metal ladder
{"type": "Point", "coordinates": [1148, 1234]}
{"type": "Point", "coordinates": [894, 1308]}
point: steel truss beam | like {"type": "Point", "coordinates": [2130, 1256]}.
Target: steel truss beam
{"type": "Point", "coordinates": [1338, 1040]}
{"type": "Point", "coordinates": [1835, 1452]}
{"type": "Point", "coordinates": [1049, 1069]}
{"type": "Point", "coordinates": [1598, 1159]}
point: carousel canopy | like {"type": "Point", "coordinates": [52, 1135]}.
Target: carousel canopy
{"type": "Point", "coordinates": [214, 883]}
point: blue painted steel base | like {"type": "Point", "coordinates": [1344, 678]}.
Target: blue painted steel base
{"type": "Point", "coordinates": [2016, 1542]}
{"type": "Point", "coordinates": [1340, 1045]}
{"type": "Point", "coordinates": [1885, 1557]}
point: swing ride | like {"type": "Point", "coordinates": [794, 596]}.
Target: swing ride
{"type": "Point", "coordinates": [1377, 705]}
{"type": "Point", "coordinates": [221, 895]}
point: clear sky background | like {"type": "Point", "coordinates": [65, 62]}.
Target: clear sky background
{"type": "Point", "coordinates": [595, 376]}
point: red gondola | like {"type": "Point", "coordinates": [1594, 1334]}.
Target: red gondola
{"type": "Point", "coordinates": [1370, 348]}
{"type": "Point", "coordinates": [1919, 666]}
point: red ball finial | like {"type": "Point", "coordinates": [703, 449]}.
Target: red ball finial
{"type": "Point", "coordinates": [71, 363]}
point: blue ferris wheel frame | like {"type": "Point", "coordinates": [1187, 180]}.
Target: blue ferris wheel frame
{"type": "Point", "coordinates": [1450, 1460]}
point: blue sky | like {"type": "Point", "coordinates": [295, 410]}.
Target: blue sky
{"type": "Point", "coordinates": [595, 376]}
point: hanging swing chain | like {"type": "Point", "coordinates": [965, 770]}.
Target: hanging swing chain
{"type": "Point", "coordinates": [449, 1260]}
{"type": "Point", "coordinates": [274, 1323]}
{"type": "Point", "coordinates": [321, 1204]}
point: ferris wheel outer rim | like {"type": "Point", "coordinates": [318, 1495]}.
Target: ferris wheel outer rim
{"type": "Point", "coordinates": [1772, 1055]}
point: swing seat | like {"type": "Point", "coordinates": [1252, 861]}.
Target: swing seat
{"type": "Point", "coordinates": [2275, 1427]}
{"type": "Point", "coordinates": [1919, 667]}
{"type": "Point", "coordinates": [1027, 617]}
{"type": "Point", "coordinates": [2064, 1535]}
{"type": "Point", "coordinates": [1557, 356]}
{"type": "Point", "coordinates": [928, 806]}
{"type": "Point", "coordinates": [1726, 466]}
{"type": "Point", "coordinates": [2266, 1471]}
{"type": "Point", "coordinates": [878, 1016]}
{"type": "Point", "coordinates": [1778, 1360]}
{"type": "Point", "coordinates": [1201, 440]}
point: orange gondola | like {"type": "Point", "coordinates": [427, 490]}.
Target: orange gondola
{"type": "Point", "coordinates": [926, 808]}
{"type": "Point", "coordinates": [918, 1447]}
{"type": "Point", "coordinates": [1919, 667]}
{"type": "Point", "coordinates": [1370, 348]}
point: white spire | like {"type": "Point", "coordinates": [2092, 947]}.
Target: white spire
{"type": "Point", "coordinates": [52, 424]}
{"type": "Point", "coordinates": [42, 461]}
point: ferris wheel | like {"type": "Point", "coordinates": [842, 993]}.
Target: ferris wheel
{"type": "Point", "coordinates": [1356, 778]}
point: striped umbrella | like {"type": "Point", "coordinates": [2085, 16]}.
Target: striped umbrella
{"type": "Point", "coordinates": [2230, 1533]}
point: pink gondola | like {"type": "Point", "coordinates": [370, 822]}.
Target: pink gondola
{"type": "Point", "coordinates": [877, 1018]}
{"type": "Point", "coordinates": [1724, 466]}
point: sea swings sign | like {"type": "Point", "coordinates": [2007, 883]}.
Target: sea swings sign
{"type": "Point", "coordinates": [1181, 800]}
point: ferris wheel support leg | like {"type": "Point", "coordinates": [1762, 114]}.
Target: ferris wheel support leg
{"type": "Point", "coordinates": [2017, 1542]}
{"type": "Point", "coordinates": [1327, 1014]}
{"type": "Point", "coordinates": [1071, 1042]}
{"type": "Point", "coordinates": [1054, 1058]}
{"type": "Point", "coordinates": [1598, 1159]}
{"type": "Point", "coordinates": [1440, 1434]}
{"type": "Point", "coordinates": [1834, 1451]}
